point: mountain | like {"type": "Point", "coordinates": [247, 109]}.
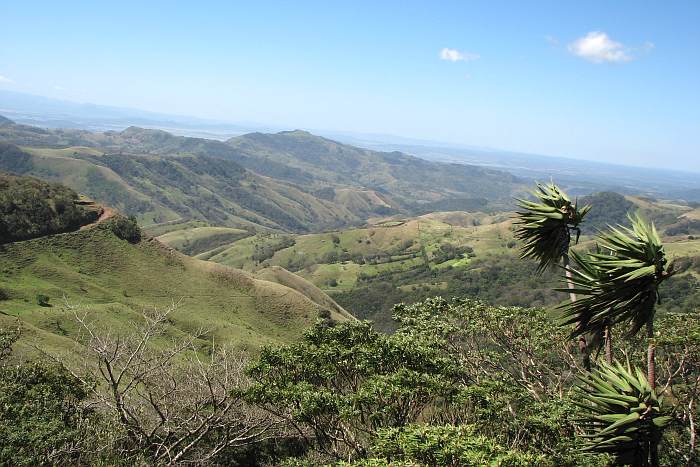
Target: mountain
{"type": "Point", "coordinates": [289, 181]}
{"type": "Point", "coordinates": [95, 269]}
{"type": "Point", "coordinates": [407, 180]}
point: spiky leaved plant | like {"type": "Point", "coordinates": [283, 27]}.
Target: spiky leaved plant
{"type": "Point", "coordinates": [546, 225]}
{"type": "Point", "coordinates": [621, 414]}
{"type": "Point", "coordinates": [620, 286]}
{"type": "Point", "coordinates": [586, 276]}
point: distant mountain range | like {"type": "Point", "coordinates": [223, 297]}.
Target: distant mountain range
{"type": "Point", "coordinates": [288, 181]}
{"type": "Point", "coordinates": [578, 176]}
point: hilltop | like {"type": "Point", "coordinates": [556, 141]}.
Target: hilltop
{"type": "Point", "coordinates": [107, 268]}
{"type": "Point", "coordinates": [289, 181]}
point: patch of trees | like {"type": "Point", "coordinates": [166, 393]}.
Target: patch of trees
{"type": "Point", "coordinates": [14, 160]}
{"type": "Point", "coordinates": [266, 250]}
{"type": "Point", "coordinates": [125, 228]}
{"type": "Point", "coordinates": [31, 208]}
{"type": "Point", "coordinates": [608, 208]}
{"type": "Point", "coordinates": [684, 227]}
{"type": "Point", "coordinates": [459, 383]}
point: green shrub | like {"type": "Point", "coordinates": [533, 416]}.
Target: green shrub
{"type": "Point", "coordinates": [42, 300]}
{"type": "Point", "coordinates": [41, 415]}
{"type": "Point", "coordinates": [126, 228]}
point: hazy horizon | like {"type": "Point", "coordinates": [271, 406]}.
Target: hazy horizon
{"type": "Point", "coordinates": [597, 82]}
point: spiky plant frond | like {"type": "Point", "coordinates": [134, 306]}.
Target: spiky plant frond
{"type": "Point", "coordinates": [586, 278]}
{"type": "Point", "coordinates": [620, 285]}
{"type": "Point", "coordinates": [545, 225]}
{"type": "Point", "coordinates": [621, 413]}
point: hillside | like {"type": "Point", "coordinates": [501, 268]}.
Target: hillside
{"type": "Point", "coordinates": [114, 280]}
{"type": "Point", "coordinates": [406, 179]}
{"type": "Point", "coordinates": [160, 189]}
{"type": "Point", "coordinates": [30, 208]}
{"type": "Point", "coordinates": [369, 269]}
{"type": "Point", "coordinates": [290, 181]}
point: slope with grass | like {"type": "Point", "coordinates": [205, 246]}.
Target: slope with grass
{"type": "Point", "coordinates": [291, 181]}
{"type": "Point", "coordinates": [395, 259]}
{"type": "Point", "coordinates": [114, 280]}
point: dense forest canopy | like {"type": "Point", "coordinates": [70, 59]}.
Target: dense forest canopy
{"type": "Point", "coordinates": [31, 208]}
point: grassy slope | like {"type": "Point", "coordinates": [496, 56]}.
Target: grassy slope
{"type": "Point", "coordinates": [394, 177]}
{"type": "Point", "coordinates": [162, 189]}
{"type": "Point", "coordinates": [397, 246]}
{"type": "Point", "coordinates": [115, 280]}
{"type": "Point", "coordinates": [201, 239]}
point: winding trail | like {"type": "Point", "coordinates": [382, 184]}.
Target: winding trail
{"type": "Point", "coordinates": [105, 213]}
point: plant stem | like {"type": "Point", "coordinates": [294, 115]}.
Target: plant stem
{"type": "Point", "coordinates": [608, 344]}
{"type": "Point", "coordinates": [582, 344]}
{"type": "Point", "coordinates": [651, 353]}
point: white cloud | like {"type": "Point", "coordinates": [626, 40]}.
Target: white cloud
{"type": "Point", "coordinates": [5, 79]}
{"type": "Point", "coordinates": [597, 47]}
{"type": "Point", "coordinates": [454, 55]}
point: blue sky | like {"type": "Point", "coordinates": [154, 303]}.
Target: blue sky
{"type": "Point", "coordinates": [612, 81]}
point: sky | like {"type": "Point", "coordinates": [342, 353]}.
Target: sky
{"type": "Point", "coordinates": [607, 81]}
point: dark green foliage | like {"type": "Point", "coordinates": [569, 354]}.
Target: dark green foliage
{"type": "Point", "coordinates": [620, 283]}
{"type": "Point", "coordinates": [546, 224]}
{"type": "Point", "coordinates": [42, 300]}
{"type": "Point", "coordinates": [621, 413]}
{"type": "Point", "coordinates": [40, 412]}
{"type": "Point", "coordinates": [607, 208]}
{"type": "Point", "coordinates": [125, 228]}
{"type": "Point", "coordinates": [14, 160]}
{"type": "Point", "coordinates": [31, 208]}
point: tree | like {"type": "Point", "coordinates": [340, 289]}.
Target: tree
{"type": "Point", "coordinates": [622, 414]}
{"type": "Point", "coordinates": [546, 226]}
{"type": "Point", "coordinates": [173, 404]}
{"type": "Point", "coordinates": [343, 382]}
{"type": "Point", "coordinates": [621, 287]}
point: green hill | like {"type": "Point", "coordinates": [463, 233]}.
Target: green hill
{"type": "Point", "coordinates": [115, 280]}
{"type": "Point", "coordinates": [369, 269]}
{"type": "Point", "coordinates": [402, 180]}
{"type": "Point", "coordinates": [289, 181]}
{"type": "Point", "coordinates": [30, 208]}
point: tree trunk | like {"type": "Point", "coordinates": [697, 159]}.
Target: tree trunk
{"type": "Point", "coordinates": [608, 344]}
{"type": "Point", "coordinates": [582, 344]}
{"type": "Point", "coordinates": [651, 353]}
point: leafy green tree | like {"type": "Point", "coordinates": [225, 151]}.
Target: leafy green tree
{"type": "Point", "coordinates": [41, 413]}
{"type": "Point", "coordinates": [342, 383]}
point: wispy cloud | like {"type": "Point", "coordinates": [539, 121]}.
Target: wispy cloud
{"type": "Point", "coordinates": [598, 47]}
{"type": "Point", "coordinates": [454, 55]}
{"type": "Point", "coordinates": [5, 79]}
{"type": "Point", "coordinates": [553, 41]}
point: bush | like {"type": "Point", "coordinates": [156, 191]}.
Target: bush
{"type": "Point", "coordinates": [126, 228]}
{"type": "Point", "coordinates": [42, 300]}
{"type": "Point", "coordinates": [40, 412]}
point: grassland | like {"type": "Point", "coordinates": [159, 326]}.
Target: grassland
{"type": "Point", "coordinates": [114, 281]}
{"type": "Point", "coordinates": [394, 259]}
